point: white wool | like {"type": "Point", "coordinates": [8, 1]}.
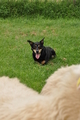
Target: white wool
{"type": "Point", "coordinates": [58, 100]}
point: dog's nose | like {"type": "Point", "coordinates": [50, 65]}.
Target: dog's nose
{"type": "Point", "coordinates": [37, 51]}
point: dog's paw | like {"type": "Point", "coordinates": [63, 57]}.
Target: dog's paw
{"type": "Point", "coordinates": [52, 56]}
{"type": "Point", "coordinates": [43, 62]}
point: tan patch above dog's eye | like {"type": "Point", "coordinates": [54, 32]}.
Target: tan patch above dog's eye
{"type": "Point", "coordinates": [38, 46]}
{"type": "Point", "coordinates": [35, 45]}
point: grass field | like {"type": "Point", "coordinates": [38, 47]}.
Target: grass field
{"type": "Point", "coordinates": [15, 53]}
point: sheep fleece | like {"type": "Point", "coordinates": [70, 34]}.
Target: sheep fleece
{"type": "Point", "coordinates": [58, 100]}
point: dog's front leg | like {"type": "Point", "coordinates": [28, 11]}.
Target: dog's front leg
{"type": "Point", "coordinates": [43, 62]}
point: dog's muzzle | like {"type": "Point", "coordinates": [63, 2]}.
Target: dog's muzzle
{"type": "Point", "coordinates": [37, 53]}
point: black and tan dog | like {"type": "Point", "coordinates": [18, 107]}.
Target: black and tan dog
{"type": "Point", "coordinates": [41, 53]}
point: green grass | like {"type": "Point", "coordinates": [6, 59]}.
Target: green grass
{"type": "Point", "coordinates": [15, 53]}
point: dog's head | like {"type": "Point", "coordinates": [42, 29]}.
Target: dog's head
{"type": "Point", "coordinates": [36, 47]}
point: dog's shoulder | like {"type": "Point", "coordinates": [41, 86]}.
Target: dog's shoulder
{"type": "Point", "coordinates": [43, 52]}
{"type": "Point", "coordinates": [49, 50]}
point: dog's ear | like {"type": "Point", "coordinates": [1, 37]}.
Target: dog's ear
{"type": "Point", "coordinates": [30, 42]}
{"type": "Point", "coordinates": [42, 41]}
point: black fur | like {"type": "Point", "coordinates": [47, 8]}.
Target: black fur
{"type": "Point", "coordinates": [41, 53]}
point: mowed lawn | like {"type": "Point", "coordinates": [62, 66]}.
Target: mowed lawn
{"type": "Point", "coordinates": [15, 53]}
